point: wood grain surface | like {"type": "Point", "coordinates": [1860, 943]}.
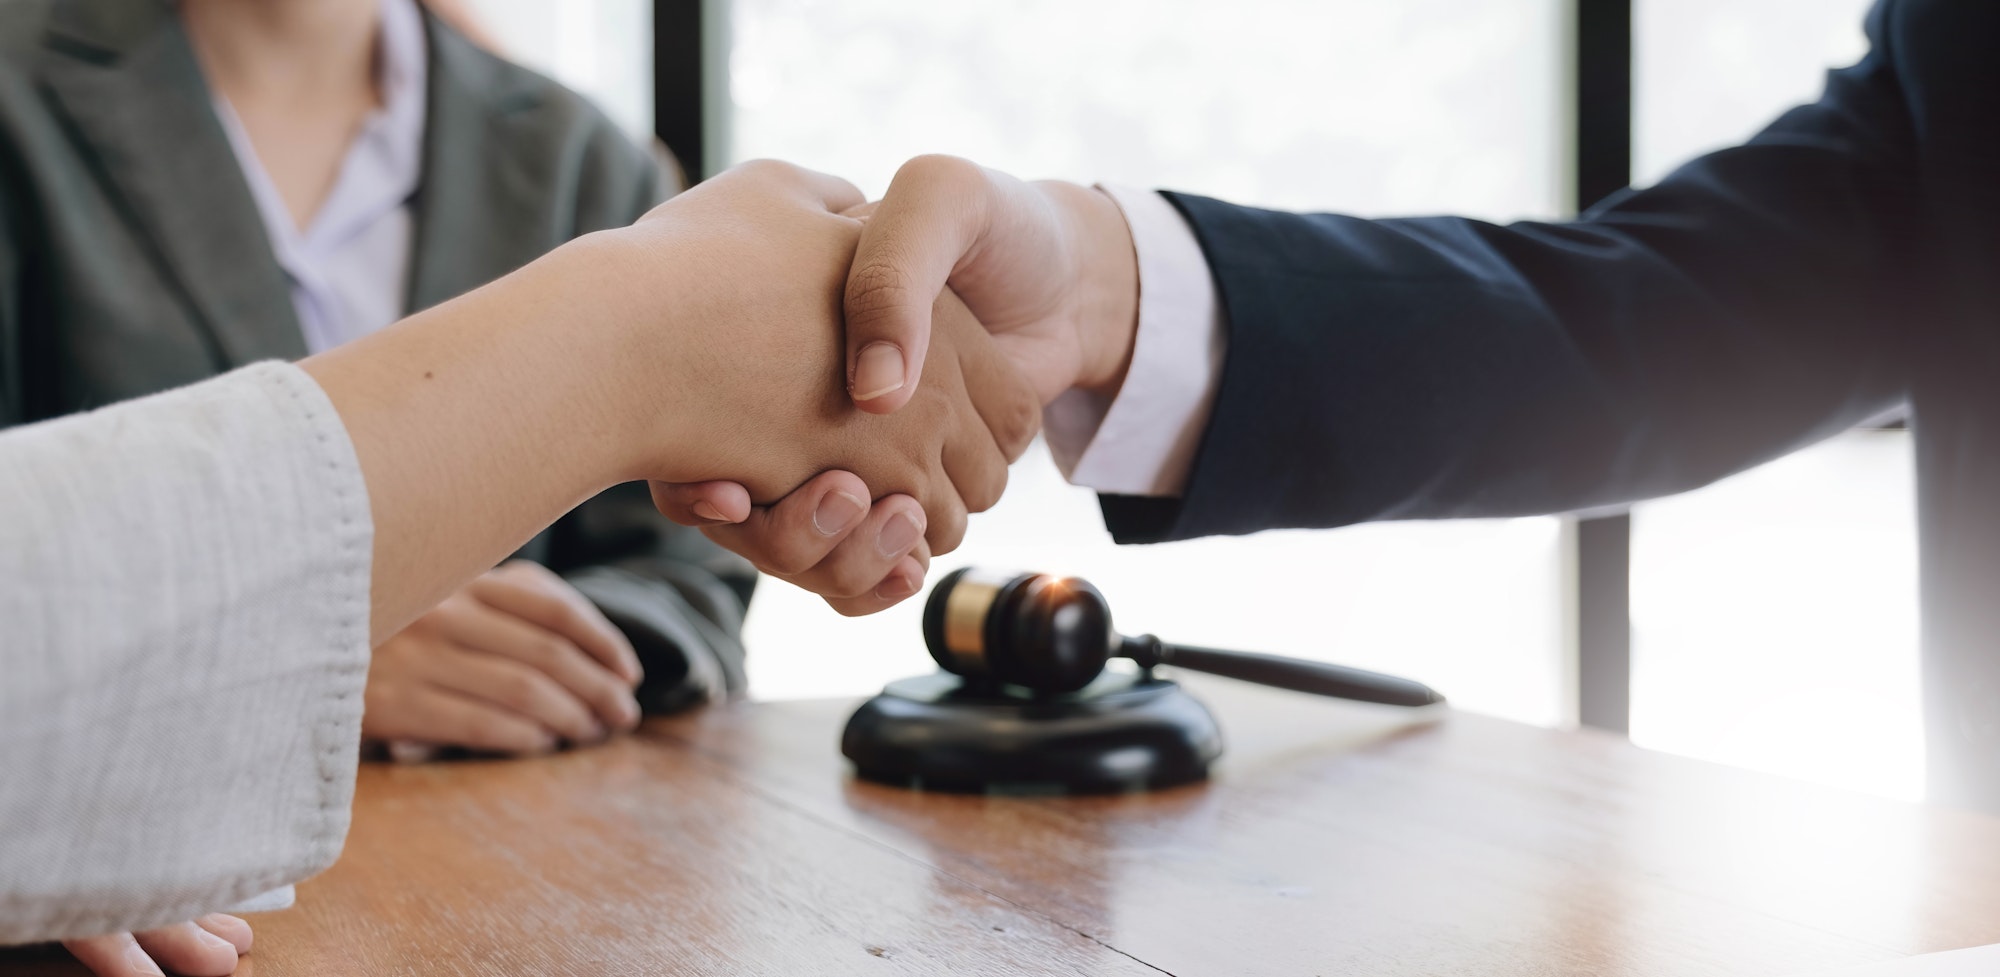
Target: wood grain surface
{"type": "Point", "coordinates": [1335, 839]}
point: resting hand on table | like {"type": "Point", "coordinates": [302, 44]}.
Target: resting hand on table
{"type": "Point", "coordinates": [516, 662]}
{"type": "Point", "coordinates": [1048, 268]}
{"type": "Point", "coordinates": [206, 947]}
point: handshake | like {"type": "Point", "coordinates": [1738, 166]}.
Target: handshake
{"type": "Point", "coordinates": [829, 386]}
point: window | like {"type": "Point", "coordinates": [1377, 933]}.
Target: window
{"type": "Point", "coordinates": [1774, 613]}
{"type": "Point", "coordinates": [602, 48]}
{"type": "Point", "coordinates": [1794, 583]}
{"type": "Point", "coordinates": [1372, 108]}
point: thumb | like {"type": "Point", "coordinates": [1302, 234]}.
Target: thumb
{"type": "Point", "coordinates": [935, 212]}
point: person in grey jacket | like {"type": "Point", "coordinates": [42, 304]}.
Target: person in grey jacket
{"type": "Point", "coordinates": [187, 188]}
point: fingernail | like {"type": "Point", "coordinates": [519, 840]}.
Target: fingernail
{"type": "Point", "coordinates": [141, 962]}
{"type": "Point", "coordinates": [408, 751]}
{"type": "Point", "coordinates": [708, 511]}
{"type": "Point", "coordinates": [210, 939]}
{"type": "Point", "coordinates": [628, 712]}
{"type": "Point", "coordinates": [897, 587]}
{"type": "Point", "coordinates": [837, 512]}
{"type": "Point", "coordinates": [220, 919]}
{"type": "Point", "coordinates": [898, 536]}
{"type": "Point", "coordinates": [877, 371]}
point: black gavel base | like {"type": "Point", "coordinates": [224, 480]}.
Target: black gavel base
{"type": "Point", "coordinates": [1121, 733]}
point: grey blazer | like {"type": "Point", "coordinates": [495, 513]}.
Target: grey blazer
{"type": "Point", "coordinates": [133, 260]}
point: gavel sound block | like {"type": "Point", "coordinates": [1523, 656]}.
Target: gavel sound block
{"type": "Point", "coordinates": [1024, 704]}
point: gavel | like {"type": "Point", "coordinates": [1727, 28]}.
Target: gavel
{"type": "Point", "coordinates": [1053, 635]}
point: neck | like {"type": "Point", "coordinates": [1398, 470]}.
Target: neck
{"type": "Point", "coordinates": [286, 51]}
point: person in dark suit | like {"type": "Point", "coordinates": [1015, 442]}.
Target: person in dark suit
{"type": "Point", "coordinates": [187, 188]}
{"type": "Point", "coordinates": [1221, 369]}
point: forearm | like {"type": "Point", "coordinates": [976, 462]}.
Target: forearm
{"type": "Point", "coordinates": [1754, 301]}
{"type": "Point", "coordinates": [481, 421]}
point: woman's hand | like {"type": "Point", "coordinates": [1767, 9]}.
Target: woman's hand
{"type": "Point", "coordinates": [206, 947]}
{"type": "Point", "coordinates": [516, 661]}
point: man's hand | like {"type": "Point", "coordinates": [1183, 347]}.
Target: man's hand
{"type": "Point", "coordinates": [206, 947]}
{"type": "Point", "coordinates": [516, 662]}
{"type": "Point", "coordinates": [1047, 267]}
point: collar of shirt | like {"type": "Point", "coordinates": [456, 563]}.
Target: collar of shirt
{"type": "Point", "coordinates": [349, 268]}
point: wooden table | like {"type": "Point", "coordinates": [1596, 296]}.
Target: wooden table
{"type": "Point", "coordinates": [1335, 839]}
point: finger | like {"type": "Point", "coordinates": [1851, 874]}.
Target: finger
{"type": "Point", "coordinates": [189, 950]}
{"type": "Point", "coordinates": [482, 630]}
{"type": "Point", "coordinates": [862, 211]}
{"type": "Point", "coordinates": [702, 503]}
{"type": "Point", "coordinates": [976, 468]}
{"type": "Point", "coordinates": [520, 688]}
{"type": "Point", "coordinates": [1004, 399]}
{"type": "Point", "coordinates": [902, 583]}
{"type": "Point", "coordinates": [859, 565]}
{"type": "Point", "coordinates": [944, 509]}
{"type": "Point", "coordinates": [438, 715]}
{"type": "Point", "coordinates": [113, 955]}
{"type": "Point", "coordinates": [235, 929]}
{"type": "Point", "coordinates": [792, 536]}
{"type": "Point", "coordinates": [932, 215]}
{"type": "Point", "coordinates": [535, 594]}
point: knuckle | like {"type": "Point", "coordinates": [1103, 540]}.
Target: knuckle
{"type": "Point", "coordinates": [546, 652]}
{"type": "Point", "coordinates": [985, 491]}
{"type": "Point", "coordinates": [521, 691]}
{"type": "Point", "coordinates": [940, 168]}
{"type": "Point", "coordinates": [879, 289]}
{"type": "Point", "coordinates": [788, 561]}
{"type": "Point", "coordinates": [1015, 425]}
{"type": "Point", "coordinates": [490, 732]}
{"type": "Point", "coordinates": [568, 618]}
{"type": "Point", "coordinates": [765, 168]}
{"type": "Point", "coordinates": [848, 580]}
{"type": "Point", "coordinates": [947, 530]}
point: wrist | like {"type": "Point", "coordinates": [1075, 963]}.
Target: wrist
{"type": "Point", "coordinates": [1107, 318]}
{"type": "Point", "coordinates": [621, 358]}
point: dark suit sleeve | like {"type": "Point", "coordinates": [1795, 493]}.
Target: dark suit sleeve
{"type": "Point", "coordinates": [677, 596]}
{"type": "Point", "coordinates": [1758, 299]}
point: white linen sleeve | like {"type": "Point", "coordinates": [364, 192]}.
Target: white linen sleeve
{"type": "Point", "coordinates": [184, 590]}
{"type": "Point", "coordinates": [1143, 441]}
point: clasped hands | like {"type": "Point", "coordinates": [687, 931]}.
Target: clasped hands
{"type": "Point", "coordinates": [960, 304]}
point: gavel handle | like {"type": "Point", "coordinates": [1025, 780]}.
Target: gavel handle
{"type": "Point", "coordinates": [1316, 678]}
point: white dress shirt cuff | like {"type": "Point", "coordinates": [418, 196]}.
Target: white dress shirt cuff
{"type": "Point", "coordinates": [1142, 442]}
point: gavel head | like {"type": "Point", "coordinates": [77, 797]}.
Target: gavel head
{"type": "Point", "coordinates": [1047, 633]}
